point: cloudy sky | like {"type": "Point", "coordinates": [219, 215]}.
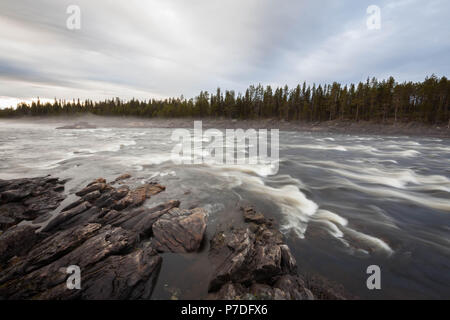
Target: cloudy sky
{"type": "Point", "coordinates": [166, 48]}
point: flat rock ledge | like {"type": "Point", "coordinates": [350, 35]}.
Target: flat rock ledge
{"type": "Point", "coordinates": [107, 233]}
{"type": "Point", "coordinates": [254, 263]}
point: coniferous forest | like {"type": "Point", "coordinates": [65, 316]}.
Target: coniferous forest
{"type": "Point", "coordinates": [427, 102]}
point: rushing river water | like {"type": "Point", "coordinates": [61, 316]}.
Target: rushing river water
{"type": "Point", "coordinates": [344, 202]}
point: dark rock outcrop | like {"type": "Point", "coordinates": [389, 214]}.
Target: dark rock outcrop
{"type": "Point", "coordinates": [118, 277]}
{"type": "Point", "coordinates": [179, 231]}
{"type": "Point", "coordinates": [106, 233]}
{"type": "Point", "coordinates": [250, 215]}
{"type": "Point", "coordinates": [16, 241]}
{"type": "Point", "coordinates": [99, 200]}
{"type": "Point", "coordinates": [28, 199]}
{"type": "Point", "coordinates": [254, 263]}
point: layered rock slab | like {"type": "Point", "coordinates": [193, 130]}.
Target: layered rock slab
{"type": "Point", "coordinates": [179, 231]}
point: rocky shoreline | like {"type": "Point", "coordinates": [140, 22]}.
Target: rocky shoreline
{"type": "Point", "coordinates": [254, 263]}
{"type": "Point", "coordinates": [119, 244]}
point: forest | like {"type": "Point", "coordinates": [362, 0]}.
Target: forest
{"type": "Point", "coordinates": [379, 101]}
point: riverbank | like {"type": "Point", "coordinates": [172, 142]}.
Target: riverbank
{"type": "Point", "coordinates": [338, 126]}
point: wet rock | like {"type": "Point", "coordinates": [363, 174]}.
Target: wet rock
{"type": "Point", "coordinates": [229, 291]}
{"type": "Point", "coordinates": [98, 180]}
{"type": "Point", "coordinates": [73, 205]}
{"type": "Point", "coordinates": [179, 231]}
{"type": "Point", "coordinates": [254, 263]}
{"type": "Point", "coordinates": [250, 215]}
{"type": "Point", "coordinates": [136, 197]}
{"type": "Point", "coordinates": [132, 276]}
{"type": "Point", "coordinates": [28, 199]}
{"type": "Point", "coordinates": [262, 291]}
{"type": "Point", "coordinates": [97, 199]}
{"type": "Point", "coordinates": [6, 222]}
{"type": "Point", "coordinates": [141, 221]}
{"type": "Point", "coordinates": [58, 245]}
{"type": "Point", "coordinates": [92, 196]}
{"type": "Point", "coordinates": [4, 183]}
{"type": "Point", "coordinates": [323, 289]}
{"type": "Point", "coordinates": [14, 195]}
{"type": "Point", "coordinates": [288, 263]}
{"type": "Point", "coordinates": [91, 188]}
{"type": "Point", "coordinates": [123, 177]}
{"type": "Point", "coordinates": [43, 203]}
{"type": "Point", "coordinates": [291, 288]}
{"type": "Point", "coordinates": [102, 232]}
{"type": "Point", "coordinates": [20, 283]}
{"type": "Point", "coordinates": [59, 189]}
{"type": "Point", "coordinates": [129, 277]}
{"type": "Point", "coordinates": [266, 263]}
{"type": "Point", "coordinates": [231, 254]}
{"type": "Point", "coordinates": [66, 215]}
{"type": "Point", "coordinates": [16, 241]}
{"type": "Point", "coordinates": [11, 214]}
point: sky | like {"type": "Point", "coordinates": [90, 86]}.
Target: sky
{"type": "Point", "coordinates": [168, 48]}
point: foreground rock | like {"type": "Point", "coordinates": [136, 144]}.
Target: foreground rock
{"type": "Point", "coordinates": [28, 199]}
{"type": "Point", "coordinates": [180, 231]}
{"type": "Point", "coordinates": [17, 241]}
{"type": "Point", "coordinates": [254, 263]}
{"type": "Point", "coordinates": [107, 233]}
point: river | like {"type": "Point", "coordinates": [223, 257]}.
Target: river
{"type": "Point", "coordinates": [344, 202]}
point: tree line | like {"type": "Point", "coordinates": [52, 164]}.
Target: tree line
{"type": "Point", "coordinates": [373, 100]}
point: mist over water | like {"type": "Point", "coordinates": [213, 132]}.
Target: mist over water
{"type": "Point", "coordinates": [344, 202]}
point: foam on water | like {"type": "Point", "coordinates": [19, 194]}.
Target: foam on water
{"type": "Point", "coordinates": [374, 243]}
{"type": "Point", "coordinates": [314, 147]}
{"type": "Point", "coordinates": [330, 216]}
{"type": "Point", "coordinates": [262, 170]}
{"type": "Point", "coordinates": [418, 199]}
{"type": "Point", "coordinates": [297, 209]}
{"type": "Point", "coordinates": [393, 177]}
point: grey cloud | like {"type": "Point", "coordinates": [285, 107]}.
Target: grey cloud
{"type": "Point", "coordinates": [168, 48]}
